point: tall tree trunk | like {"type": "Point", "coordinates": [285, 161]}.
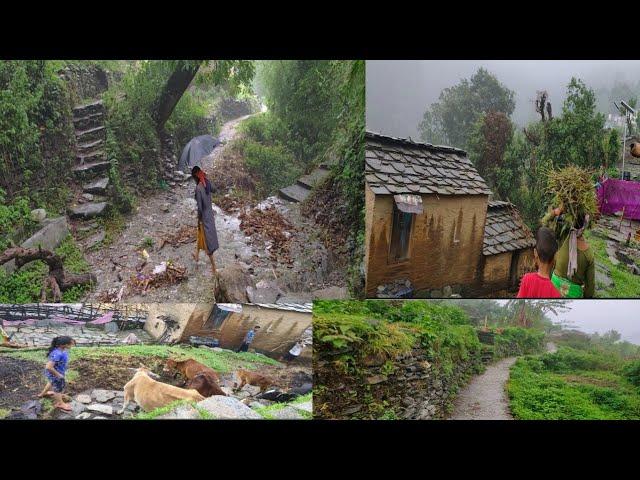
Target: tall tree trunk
{"type": "Point", "coordinates": [173, 90]}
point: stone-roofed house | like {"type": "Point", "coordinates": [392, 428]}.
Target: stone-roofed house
{"type": "Point", "coordinates": [507, 248]}
{"type": "Point", "coordinates": [426, 210]}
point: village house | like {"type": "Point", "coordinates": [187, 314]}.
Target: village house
{"type": "Point", "coordinates": [281, 325]}
{"type": "Point", "coordinates": [429, 224]}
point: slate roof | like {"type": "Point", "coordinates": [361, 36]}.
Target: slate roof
{"type": "Point", "coordinates": [504, 230]}
{"type": "Point", "coordinates": [293, 307]}
{"type": "Point", "coordinates": [398, 165]}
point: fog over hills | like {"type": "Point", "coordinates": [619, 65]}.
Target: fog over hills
{"type": "Point", "coordinates": [399, 91]}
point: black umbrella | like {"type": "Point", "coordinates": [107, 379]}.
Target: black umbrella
{"type": "Point", "coordinates": [193, 151]}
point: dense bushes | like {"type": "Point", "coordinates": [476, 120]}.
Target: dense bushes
{"type": "Point", "coordinates": [267, 155]}
{"type": "Point", "coordinates": [349, 331]}
{"type": "Point", "coordinates": [573, 384]}
{"type": "Point", "coordinates": [632, 372]}
{"type": "Point", "coordinates": [35, 133]}
{"type": "Point", "coordinates": [23, 286]}
{"type": "Point", "coordinates": [15, 221]}
{"type": "Point", "coordinates": [514, 341]}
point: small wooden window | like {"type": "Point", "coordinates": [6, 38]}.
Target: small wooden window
{"type": "Point", "coordinates": [400, 235]}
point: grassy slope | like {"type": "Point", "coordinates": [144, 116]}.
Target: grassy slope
{"type": "Point", "coordinates": [626, 285]}
{"type": "Point", "coordinates": [536, 393]}
{"type": "Point", "coordinates": [222, 361]}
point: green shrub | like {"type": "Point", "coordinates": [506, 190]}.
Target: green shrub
{"type": "Point", "coordinates": [567, 360]}
{"type": "Point", "coordinates": [23, 286]}
{"type": "Point", "coordinates": [538, 393]}
{"type": "Point", "coordinates": [36, 137]}
{"type": "Point", "coordinates": [631, 371]}
{"type": "Point", "coordinates": [515, 341]}
{"type": "Point", "coordinates": [15, 220]}
{"type": "Point", "coordinates": [272, 166]}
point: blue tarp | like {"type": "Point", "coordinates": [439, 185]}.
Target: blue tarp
{"type": "Point", "coordinates": [193, 151]}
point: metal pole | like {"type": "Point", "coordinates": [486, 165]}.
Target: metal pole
{"type": "Point", "coordinates": [624, 139]}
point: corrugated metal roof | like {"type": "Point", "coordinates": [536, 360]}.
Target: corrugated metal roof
{"type": "Point", "coordinates": [294, 307]}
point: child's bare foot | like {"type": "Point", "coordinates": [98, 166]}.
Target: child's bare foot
{"type": "Point", "coordinates": [63, 406]}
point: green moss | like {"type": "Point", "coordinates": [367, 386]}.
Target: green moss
{"type": "Point", "coordinates": [4, 412]}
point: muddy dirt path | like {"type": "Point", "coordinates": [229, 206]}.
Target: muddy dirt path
{"type": "Point", "coordinates": [485, 398]}
{"type": "Point", "coordinates": [168, 212]}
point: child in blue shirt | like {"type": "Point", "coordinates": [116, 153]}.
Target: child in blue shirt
{"type": "Point", "coordinates": [55, 369]}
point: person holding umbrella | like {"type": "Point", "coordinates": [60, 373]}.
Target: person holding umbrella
{"type": "Point", "coordinates": [207, 237]}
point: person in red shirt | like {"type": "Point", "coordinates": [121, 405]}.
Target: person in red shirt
{"type": "Point", "coordinates": [538, 284]}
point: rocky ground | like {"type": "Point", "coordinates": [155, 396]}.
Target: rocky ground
{"type": "Point", "coordinates": [41, 336]}
{"type": "Point", "coordinates": [95, 384]}
{"type": "Point", "coordinates": [164, 225]}
{"type": "Point", "coordinates": [619, 257]}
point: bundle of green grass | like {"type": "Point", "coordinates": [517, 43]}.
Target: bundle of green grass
{"type": "Point", "coordinates": [572, 189]}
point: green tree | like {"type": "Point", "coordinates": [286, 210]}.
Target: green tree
{"type": "Point", "coordinates": [575, 137]}
{"type": "Point", "coordinates": [488, 142]}
{"type": "Point", "coordinates": [450, 120]}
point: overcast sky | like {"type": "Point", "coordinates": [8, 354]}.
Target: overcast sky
{"type": "Point", "coordinates": [592, 316]}
{"type": "Point", "coordinates": [399, 91]}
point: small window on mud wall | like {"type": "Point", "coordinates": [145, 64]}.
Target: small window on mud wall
{"type": "Point", "coordinates": [216, 318]}
{"type": "Point", "coordinates": [400, 235]}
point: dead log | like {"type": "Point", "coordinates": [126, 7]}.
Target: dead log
{"type": "Point", "coordinates": [57, 280]}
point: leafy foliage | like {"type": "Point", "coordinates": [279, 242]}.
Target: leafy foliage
{"type": "Point", "coordinates": [572, 385]}
{"type": "Point", "coordinates": [577, 137]}
{"type": "Point", "coordinates": [450, 119]}
{"type": "Point", "coordinates": [516, 341]}
{"type": "Point", "coordinates": [35, 133]}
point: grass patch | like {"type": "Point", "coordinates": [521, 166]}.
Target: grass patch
{"type": "Point", "coordinates": [569, 385]}
{"type": "Point", "coordinates": [4, 412]}
{"type": "Point", "coordinates": [626, 284]}
{"type": "Point", "coordinates": [223, 361]}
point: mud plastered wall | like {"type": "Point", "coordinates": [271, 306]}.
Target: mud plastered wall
{"type": "Point", "coordinates": [445, 245]}
{"type": "Point", "coordinates": [279, 329]}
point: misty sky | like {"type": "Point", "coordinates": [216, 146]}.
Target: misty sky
{"type": "Point", "coordinates": [399, 91]}
{"type": "Point", "coordinates": [592, 316]}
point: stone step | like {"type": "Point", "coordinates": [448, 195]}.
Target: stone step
{"type": "Point", "coordinates": [97, 187]}
{"type": "Point", "coordinates": [88, 170]}
{"type": "Point", "coordinates": [89, 121]}
{"type": "Point", "coordinates": [97, 156]}
{"type": "Point", "coordinates": [88, 109]}
{"type": "Point", "coordinates": [314, 178]}
{"type": "Point", "coordinates": [89, 147]}
{"type": "Point", "coordinates": [294, 193]}
{"type": "Point", "coordinates": [88, 210]}
{"type": "Point", "coordinates": [90, 134]}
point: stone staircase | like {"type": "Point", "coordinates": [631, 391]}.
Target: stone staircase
{"type": "Point", "coordinates": [300, 190]}
{"type": "Point", "coordinates": [91, 168]}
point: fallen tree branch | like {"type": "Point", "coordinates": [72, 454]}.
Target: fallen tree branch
{"type": "Point", "coordinates": [58, 280]}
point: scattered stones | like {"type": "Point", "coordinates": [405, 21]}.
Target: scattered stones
{"type": "Point", "coordinates": [396, 289]}
{"type": "Point", "coordinates": [83, 416]}
{"type": "Point", "coordinates": [375, 379]}
{"type": "Point", "coordinates": [103, 396]}
{"type": "Point", "coordinates": [227, 408]}
{"type": "Point", "coordinates": [97, 407]}
{"type": "Point", "coordinates": [83, 398]}
{"type": "Point", "coordinates": [603, 277]}
{"type": "Point", "coordinates": [287, 413]}
{"type": "Point", "coordinates": [182, 412]}
{"type": "Point", "coordinates": [305, 407]}
{"type": "Point", "coordinates": [38, 215]}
